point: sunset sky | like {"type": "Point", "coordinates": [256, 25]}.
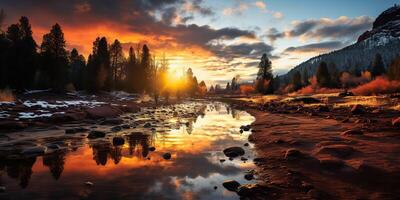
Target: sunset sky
{"type": "Point", "coordinates": [218, 39]}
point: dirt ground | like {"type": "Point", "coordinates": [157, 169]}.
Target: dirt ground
{"type": "Point", "coordinates": [316, 157]}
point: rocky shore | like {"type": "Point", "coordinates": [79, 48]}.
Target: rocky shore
{"type": "Point", "coordinates": [310, 149]}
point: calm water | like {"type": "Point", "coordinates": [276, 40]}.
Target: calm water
{"type": "Point", "coordinates": [132, 171]}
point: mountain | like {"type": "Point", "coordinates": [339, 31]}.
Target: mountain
{"type": "Point", "coordinates": [384, 38]}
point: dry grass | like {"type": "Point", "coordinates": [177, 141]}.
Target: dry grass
{"type": "Point", "coordinates": [6, 95]}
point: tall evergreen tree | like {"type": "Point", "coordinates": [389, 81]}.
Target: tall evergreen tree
{"type": "Point", "coordinates": [117, 64]}
{"type": "Point", "coordinates": [145, 69]}
{"type": "Point", "coordinates": [264, 76]}
{"type": "Point", "coordinates": [305, 77]}
{"type": "Point", "coordinates": [98, 72]}
{"type": "Point", "coordinates": [296, 81]}
{"type": "Point", "coordinates": [132, 70]}
{"type": "Point", "coordinates": [394, 69]}
{"type": "Point", "coordinates": [377, 68]}
{"type": "Point", "coordinates": [77, 68]}
{"type": "Point", "coordinates": [54, 58]}
{"type": "Point", "coordinates": [335, 77]}
{"type": "Point", "coordinates": [323, 77]}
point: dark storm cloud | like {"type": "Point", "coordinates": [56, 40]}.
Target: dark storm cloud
{"type": "Point", "coordinates": [254, 50]}
{"type": "Point", "coordinates": [316, 47]}
{"type": "Point", "coordinates": [341, 28]}
{"type": "Point", "coordinates": [138, 16]}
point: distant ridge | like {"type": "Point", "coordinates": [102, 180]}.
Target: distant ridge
{"type": "Point", "coordinates": [384, 38]}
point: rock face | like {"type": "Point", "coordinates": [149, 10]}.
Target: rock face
{"type": "Point", "coordinates": [231, 185]}
{"type": "Point", "coordinates": [233, 152]}
{"type": "Point", "coordinates": [103, 112]}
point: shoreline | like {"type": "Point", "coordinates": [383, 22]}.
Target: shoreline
{"type": "Point", "coordinates": [316, 156]}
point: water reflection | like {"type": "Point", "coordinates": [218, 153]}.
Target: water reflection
{"type": "Point", "coordinates": [131, 170]}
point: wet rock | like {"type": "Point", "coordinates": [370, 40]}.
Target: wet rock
{"type": "Point", "coordinates": [152, 148]}
{"type": "Point", "coordinates": [147, 125]}
{"type": "Point", "coordinates": [293, 154]}
{"type": "Point", "coordinates": [75, 130]}
{"type": "Point", "coordinates": [249, 190]}
{"type": "Point", "coordinates": [245, 127]}
{"type": "Point", "coordinates": [305, 100]}
{"type": "Point", "coordinates": [118, 141]}
{"type": "Point", "coordinates": [96, 134]}
{"type": "Point", "coordinates": [243, 159]}
{"type": "Point", "coordinates": [215, 187]}
{"type": "Point", "coordinates": [357, 109]}
{"type": "Point", "coordinates": [112, 121]}
{"type": "Point", "coordinates": [231, 185]}
{"type": "Point", "coordinates": [222, 160]}
{"type": "Point", "coordinates": [116, 129]}
{"type": "Point", "coordinates": [338, 150]}
{"type": "Point", "coordinates": [246, 144]}
{"type": "Point", "coordinates": [396, 122]}
{"type": "Point", "coordinates": [251, 138]}
{"type": "Point", "coordinates": [105, 111]}
{"type": "Point", "coordinates": [167, 156]}
{"type": "Point", "coordinates": [352, 132]}
{"type": "Point", "coordinates": [39, 150]}
{"type": "Point", "coordinates": [125, 126]}
{"type": "Point", "coordinates": [249, 176]}
{"type": "Point", "coordinates": [233, 152]}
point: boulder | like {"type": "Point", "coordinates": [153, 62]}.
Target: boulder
{"type": "Point", "coordinates": [96, 134]}
{"type": "Point", "coordinates": [234, 152]}
{"type": "Point", "coordinates": [293, 154]}
{"type": "Point", "coordinates": [118, 141]}
{"type": "Point", "coordinates": [357, 109]}
{"type": "Point", "coordinates": [249, 176]}
{"type": "Point", "coordinates": [250, 190]}
{"type": "Point", "coordinates": [231, 185]}
{"type": "Point", "coordinates": [104, 111]}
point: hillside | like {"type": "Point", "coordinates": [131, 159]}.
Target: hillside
{"type": "Point", "coordinates": [384, 38]}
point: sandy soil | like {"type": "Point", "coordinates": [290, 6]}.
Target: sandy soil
{"type": "Point", "coordinates": [309, 155]}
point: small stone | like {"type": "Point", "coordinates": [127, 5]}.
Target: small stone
{"type": "Point", "coordinates": [167, 156]}
{"type": "Point", "coordinates": [234, 152]}
{"type": "Point", "coordinates": [116, 128]}
{"type": "Point", "coordinates": [88, 183]}
{"type": "Point", "coordinates": [243, 159]}
{"type": "Point", "coordinates": [249, 176]}
{"type": "Point", "coordinates": [293, 154]}
{"type": "Point", "coordinates": [118, 141]}
{"type": "Point", "coordinates": [215, 187]}
{"type": "Point", "coordinates": [96, 134]}
{"type": "Point", "coordinates": [147, 125]}
{"type": "Point", "coordinates": [222, 160]}
{"type": "Point", "coordinates": [152, 148]}
{"type": "Point", "coordinates": [357, 109]}
{"type": "Point", "coordinates": [246, 144]}
{"type": "Point", "coordinates": [231, 185]}
{"type": "Point", "coordinates": [245, 128]}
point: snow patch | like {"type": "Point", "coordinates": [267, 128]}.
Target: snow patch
{"type": "Point", "coordinates": [62, 104]}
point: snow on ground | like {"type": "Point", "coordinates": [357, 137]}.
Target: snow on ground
{"type": "Point", "coordinates": [31, 115]}
{"type": "Point", "coordinates": [62, 104]}
{"type": "Point", "coordinates": [36, 91]}
{"type": "Point", "coordinates": [7, 103]}
{"type": "Point", "coordinates": [3, 114]}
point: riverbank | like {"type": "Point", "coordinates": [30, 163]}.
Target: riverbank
{"type": "Point", "coordinates": [313, 150]}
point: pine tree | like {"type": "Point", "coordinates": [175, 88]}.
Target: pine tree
{"type": "Point", "coordinates": [335, 77]}
{"type": "Point", "coordinates": [323, 77]}
{"type": "Point", "coordinates": [77, 67]}
{"type": "Point", "coordinates": [378, 68]}
{"type": "Point", "coordinates": [296, 81]}
{"type": "Point", "coordinates": [394, 69]}
{"type": "Point", "coordinates": [305, 77]}
{"type": "Point", "coordinates": [145, 69]}
{"type": "Point", "coordinates": [264, 76]}
{"type": "Point", "coordinates": [132, 70]}
{"type": "Point", "coordinates": [117, 61]}
{"type": "Point", "coordinates": [54, 58]}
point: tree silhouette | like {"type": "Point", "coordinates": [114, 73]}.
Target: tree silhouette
{"type": "Point", "coordinates": [145, 72]}
{"type": "Point", "coordinates": [77, 67]}
{"type": "Point", "coordinates": [131, 68]}
{"type": "Point", "coordinates": [394, 69]}
{"type": "Point", "coordinates": [323, 77]}
{"type": "Point", "coordinates": [305, 77]}
{"type": "Point", "coordinates": [117, 64]}
{"type": "Point", "coordinates": [296, 81]}
{"type": "Point", "coordinates": [264, 76]}
{"type": "Point", "coordinates": [54, 58]}
{"type": "Point", "coordinates": [378, 68]}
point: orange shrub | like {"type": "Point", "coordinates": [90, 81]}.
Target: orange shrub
{"type": "Point", "coordinates": [380, 85]}
{"type": "Point", "coordinates": [247, 89]}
